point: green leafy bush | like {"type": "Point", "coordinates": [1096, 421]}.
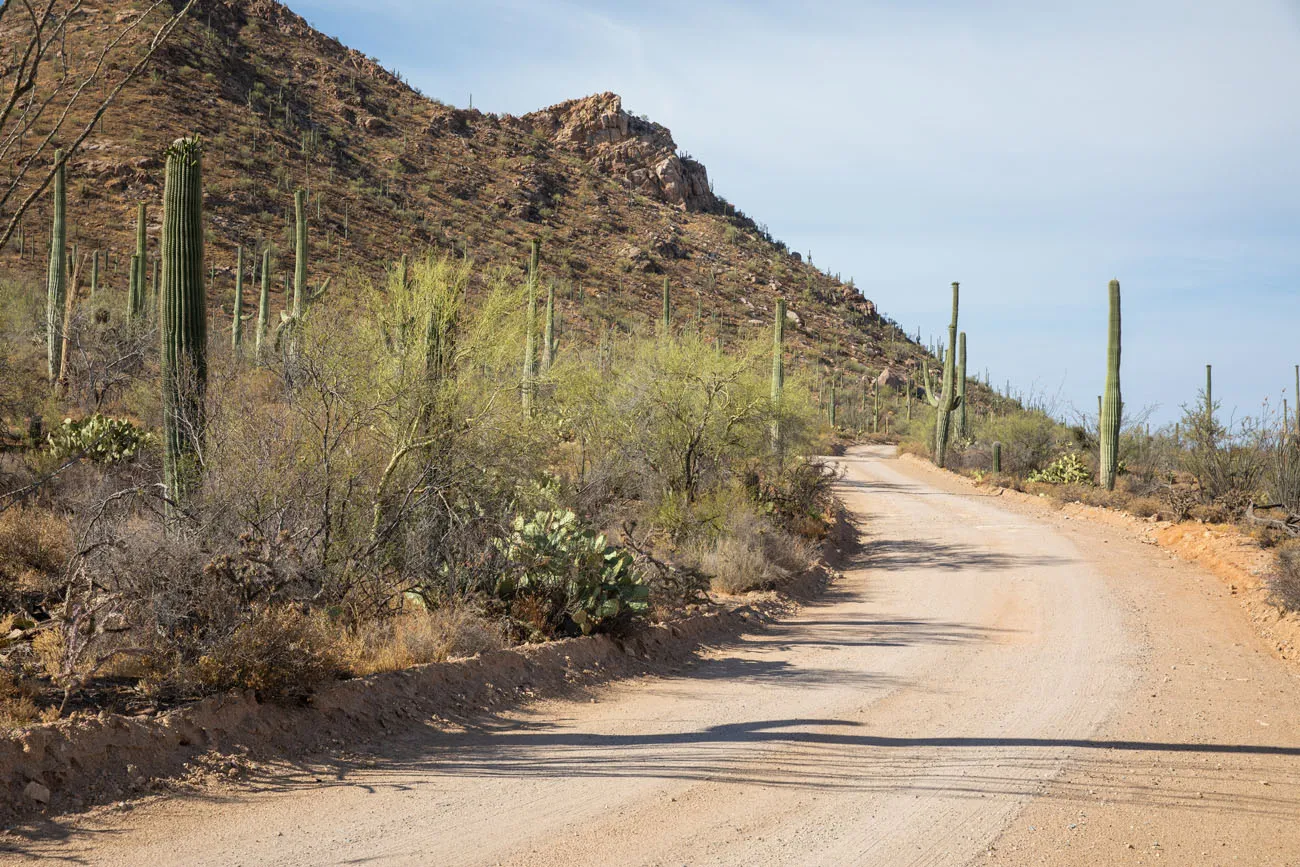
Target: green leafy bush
{"type": "Point", "coordinates": [567, 576]}
{"type": "Point", "coordinates": [1065, 470]}
{"type": "Point", "coordinates": [99, 438]}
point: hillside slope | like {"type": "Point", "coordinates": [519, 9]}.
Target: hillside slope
{"type": "Point", "coordinates": [391, 171]}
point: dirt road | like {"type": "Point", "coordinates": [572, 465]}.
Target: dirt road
{"type": "Point", "coordinates": [989, 683]}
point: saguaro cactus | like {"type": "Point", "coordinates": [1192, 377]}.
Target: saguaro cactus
{"type": "Point", "coordinates": [300, 252]}
{"type": "Point", "coordinates": [778, 350]}
{"type": "Point", "coordinates": [291, 322]}
{"type": "Point", "coordinates": [57, 282]}
{"type": "Point", "coordinates": [1209, 393]}
{"type": "Point", "coordinates": [263, 301]}
{"type": "Point", "coordinates": [548, 330]}
{"type": "Point", "coordinates": [778, 370]}
{"type": "Point", "coordinates": [135, 304]}
{"type": "Point", "coordinates": [183, 317]}
{"type": "Point", "coordinates": [237, 319]}
{"type": "Point", "coordinates": [528, 384]}
{"type": "Point", "coordinates": [948, 399]}
{"type": "Point", "coordinates": [94, 273]}
{"type": "Point", "coordinates": [963, 427]}
{"type": "Point", "coordinates": [997, 457]}
{"type": "Point", "coordinates": [666, 317]}
{"type": "Point", "coordinates": [1111, 404]}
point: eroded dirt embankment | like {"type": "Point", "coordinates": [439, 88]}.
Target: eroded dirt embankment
{"type": "Point", "coordinates": [88, 760]}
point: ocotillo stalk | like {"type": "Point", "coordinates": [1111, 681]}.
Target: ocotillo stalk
{"type": "Point", "coordinates": [403, 271]}
{"type": "Point", "coordinates": [300, 252]}
{"type": "Point", "coordinates": [264, 301]}
{"type": "Point", "coordinates": [997, 457]}
{"type": "Point", "coordinates": [157, 300]}
{"type": "Point", "coordinates": [875, 408]}
{"type": "Point", "coordinates": [947, 400]}
{"type": "Point", "coordinates": [183, 319]}
{"type": "Point", "coordinates": [832, 403]}
{"type": "Point", "coordinates": [963, 429]}
{"type": "Point", "coordinates": [548, 330]}
{"type": "Point", "coordinates": [666, 317]}
{"type": "Point", "coordinates": [911, 386]}
{"type": "Point", "coordinates": [530, 350]}
{"type": "Point", "coordinates": [1111, 406]}
{"type": "Point", "coordinates": [237, 320]}
{"type": "Point", "coordinates": [57, 282]}
{"type": "Point", "coordinates": [778, 369]}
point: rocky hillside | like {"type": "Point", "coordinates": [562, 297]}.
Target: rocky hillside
{"type": "Point", "coordinates": [391, 171]}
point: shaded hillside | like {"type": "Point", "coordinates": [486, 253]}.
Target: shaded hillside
{"type": "Point", "coordinates": [391, 171]}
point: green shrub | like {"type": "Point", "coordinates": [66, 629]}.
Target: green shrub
{"type": "Point", "coordinates": [1029, 440]}
{"type": "Point", "coordinates": [98, 438]}
{"type": "Point", "coordinates": [582, 582]}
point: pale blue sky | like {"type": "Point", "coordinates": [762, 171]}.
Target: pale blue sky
{"type": "Point", "coordinates": [1031, 150]}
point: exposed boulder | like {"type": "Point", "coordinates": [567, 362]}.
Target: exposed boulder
{"type": "Point", "coordinates": [640, 154]}
{"type": "Point", "coordinates": [890, 378]}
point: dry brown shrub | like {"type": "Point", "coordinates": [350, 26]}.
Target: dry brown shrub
{"type": "Point", "coordinates": [34, 545]}
{"type": "Point", "coordinates": [279, 652]}
{"type": "Point", "coordinates": [420, 637]}
{"type": "Point", "coordinates": [18, 706]}
{"type": "Point", "coordinates": [1284, 580]}
{"type": "Point", "coordinates": [750, 554]}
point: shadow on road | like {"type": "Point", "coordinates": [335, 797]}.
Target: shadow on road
{"type": "Point", "coordinates": [921, 554]}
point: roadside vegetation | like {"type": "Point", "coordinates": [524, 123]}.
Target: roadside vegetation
{"type": "Point", "coordinates": [386, 473]}
{"type": "Point", "coordinates": [1242, 471]}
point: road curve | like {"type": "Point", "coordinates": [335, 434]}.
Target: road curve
{"type": "Point", "coordinates": [988, 683]}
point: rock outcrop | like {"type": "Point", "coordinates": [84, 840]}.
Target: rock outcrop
{"type": "Point", "coordinates": [638, 153]}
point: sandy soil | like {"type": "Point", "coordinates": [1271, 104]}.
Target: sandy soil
{"type": "Point", "coordinates": [990, 682]}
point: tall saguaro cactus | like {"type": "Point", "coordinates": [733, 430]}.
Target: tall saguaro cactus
{"type": "Point", "coordinates": [263, 302]}
{"type": "Point", "coordinates": [237, 320]}
{"type": "Point", "coordinates": [778, 370]}
{"type": "Point", "coordinates": [57, 284]}
{"type": "Point", "coordinates": [135, 303]}
{"type": "Point", "coordinates": [666, 316]}
{"type": "Point", "coordinates": [300, 252]}
{"type": "Point", "coordinates": [947, 400]}
{"type": "Point", "coordinates": [963, 427]}
{"type": "Point", "coordinates": [1209, 392]}
{"type": "Point", "coordinates": [291, 323]}
{"type": "Point", "coordinates": [548, 330]}
{"type": "Point", "coordinates": [183, 318]}
{"type": "Point", "coordinates": [1111, 404]}
{"type": "Point", "coordinates": [528, 385]}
